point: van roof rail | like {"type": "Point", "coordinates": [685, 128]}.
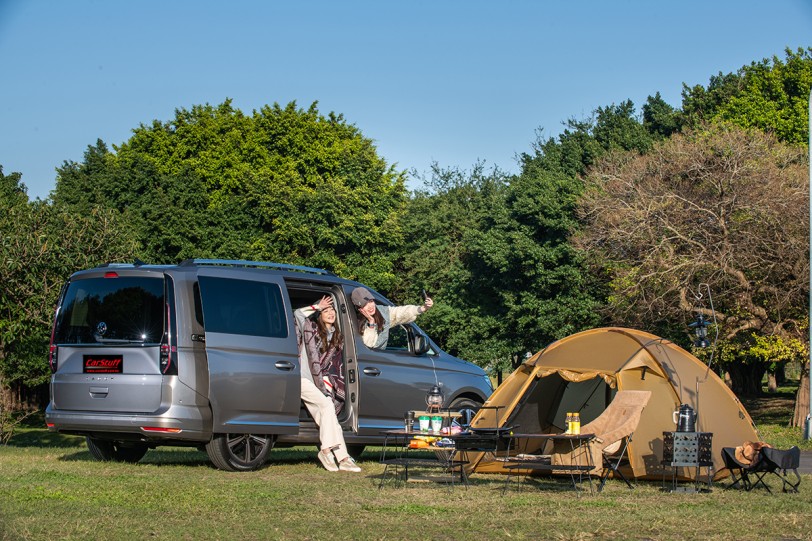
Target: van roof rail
{"type": "Point", "coordinates": [259, 264]}
{"type": "Point", "coordinates": [136, 263]}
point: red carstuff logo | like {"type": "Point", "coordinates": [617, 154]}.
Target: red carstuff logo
{"type": "Point", "coordinates": [103, 364]}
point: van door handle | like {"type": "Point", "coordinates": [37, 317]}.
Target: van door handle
{"type": "Point", "coordinates": [99, 392]}
{"type": "Point", "coordinates": [372, 372]}
{"type": "Point", "coordinates": [287, 366]}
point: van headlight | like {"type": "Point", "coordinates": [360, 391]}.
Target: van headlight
{"type": "Point", "coordinates": [487, 379]}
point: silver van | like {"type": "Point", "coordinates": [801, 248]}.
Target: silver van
{"type": "Point", "coordinates": [204, 354]}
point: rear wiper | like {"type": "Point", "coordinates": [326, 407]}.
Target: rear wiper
{"type": "Point", "coordinates": [119, 341]}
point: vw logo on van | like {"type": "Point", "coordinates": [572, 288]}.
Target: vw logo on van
{"type": "Point", "coordinates": [101, 328]}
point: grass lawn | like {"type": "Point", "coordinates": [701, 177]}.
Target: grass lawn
{"type": "Point", "coordinates": [51, 488]}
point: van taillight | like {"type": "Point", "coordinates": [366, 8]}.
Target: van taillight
{"type": "Point", "coordinates": [52, 356]}
{"type": "Point", "coordinates": [111, 274]}
{"type": "Point", "coordinates": [169, 344]}
{"type": "Point", "coordinates": [52, 349]}
{"type": "Point", "coordinates": [166, 358]}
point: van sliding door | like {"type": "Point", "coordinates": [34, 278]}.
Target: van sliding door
{"type": "Point", "coordinates": [252, 354]}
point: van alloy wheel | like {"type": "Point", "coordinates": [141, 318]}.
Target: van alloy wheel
{"type": "Point", "coordinates": [239, 452]}
{"type": "Point", "coordinates": [106, 450]}
{"type": "Point", "coordinates": [467, 407]}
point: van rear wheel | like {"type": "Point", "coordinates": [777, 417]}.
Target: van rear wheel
{"type": "Point", "coordinates": [239, 452]}
{"type": "Point", "coordinates": [107, 450]}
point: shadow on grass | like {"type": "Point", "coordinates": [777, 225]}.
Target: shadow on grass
{"type": "Point", "coordinates": [40, 437]}
{"type": "Point", "coordinates": [164, 456]}
{"type": "Point", "coordinates": [775, 408]}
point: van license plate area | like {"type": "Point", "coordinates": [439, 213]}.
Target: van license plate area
{"type": "Point", "coordinates": [103, 364]}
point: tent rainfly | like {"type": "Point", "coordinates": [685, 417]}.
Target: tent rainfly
{"type": "Point", "coordinates": [584, 371]}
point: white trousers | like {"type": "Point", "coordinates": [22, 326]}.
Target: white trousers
{"type": "Point", "coordinates": [323, 412]}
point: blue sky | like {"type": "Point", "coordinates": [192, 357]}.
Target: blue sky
{"type": "Point", "coordinates": [446, 81]}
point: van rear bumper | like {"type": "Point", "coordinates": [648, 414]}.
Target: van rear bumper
{"type": "Point", "coordinates": [178, 424]}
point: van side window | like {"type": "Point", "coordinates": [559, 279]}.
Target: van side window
{"type": "Point", "coordinates": [243, 307]}
{"type": "Point", "coordinates": [398, 339]}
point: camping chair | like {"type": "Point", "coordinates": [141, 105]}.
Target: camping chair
{"type": "Point", "coordinates": [769, 461]}
{"type": "Point", "coordinates": [614, 456]}
{"type": "Point", "coordinates": [617, 422]}
{"type": "Point", "coordinates": [778, 462]}
{"type": "Point", "coordinates": [738, 470]}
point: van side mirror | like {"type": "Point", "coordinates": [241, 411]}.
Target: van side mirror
{"type": "Point", "coordinates": [421, 344]}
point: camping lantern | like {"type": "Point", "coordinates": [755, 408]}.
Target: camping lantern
{"type": "Point", "coordinates": [435, 398]}
{"type": "Point", "coordinates": [700, 327]}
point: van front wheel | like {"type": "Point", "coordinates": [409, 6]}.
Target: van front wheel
{"type": "Point", "coordinates": [239, 452]}
{"type": "Point", "coordinates": [107, 450]}
{"type": "Point", "coordinates": [467, 407]}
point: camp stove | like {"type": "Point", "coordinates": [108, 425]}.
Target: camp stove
{"type": "Point", "coordinates": [688, 450]}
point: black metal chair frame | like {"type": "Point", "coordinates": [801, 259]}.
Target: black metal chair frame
{"type": "Point", "coordinates": [770, 461]}
{"type": "Point", "coordinates": [613, 462]}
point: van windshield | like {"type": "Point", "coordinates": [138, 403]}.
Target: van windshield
{"type": "Point", "coordinates": [122, 310]}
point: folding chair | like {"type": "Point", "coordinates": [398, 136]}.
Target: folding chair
{"type": "Point", "coordinates": [738, 470]}
{"type": "Point", "coordinates": [614, 457]}
{"type": "Point", "coordinates": [778, 462]}
{"type": "Point", "coordinates": [618, 421]}
{"type": "Point", "coordinates": [770, 461]}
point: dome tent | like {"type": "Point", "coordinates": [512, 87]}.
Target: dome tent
{"type": "Point", "coordinates": [582, 372]}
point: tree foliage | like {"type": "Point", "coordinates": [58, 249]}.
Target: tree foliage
{"type": "Point", "coordinates": [283, 184]}
{"type": "Point", "coordinates": [494, 249]}
{"type": "Point", "coordinates": [722, 206]}
{"type": "Point", "coordinates": [771, 95]}
{"type": "Point", "coordinates": [41, 246]}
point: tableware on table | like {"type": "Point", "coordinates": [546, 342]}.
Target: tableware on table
{"type": "Point", "coordinates": [408, 420]}
{"type": "Point", "coordinates": [424, 421]}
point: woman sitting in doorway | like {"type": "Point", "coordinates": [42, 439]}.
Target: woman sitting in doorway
{"type": "Point", "coordinates": [321, 349]}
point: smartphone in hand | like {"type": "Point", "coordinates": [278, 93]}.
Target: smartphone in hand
{"type": "Point", "coordinates": [424, 294]}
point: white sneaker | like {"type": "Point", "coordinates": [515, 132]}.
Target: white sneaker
{"type": "Point", "coordinates": [348, 464]}
{"type": "Point", "coordinates": [328, 460]}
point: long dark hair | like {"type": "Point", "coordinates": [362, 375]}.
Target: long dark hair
{"type": "Point", "coordinates": [337, 341]}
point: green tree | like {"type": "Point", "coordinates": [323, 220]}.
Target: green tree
{"type": "Point", "coordinates": [282, 184]}
{"type": "Point", "coordinates": [660, 119]}
{"type": "Point", "coordinates": [441, 224]}
{"type": "Point", "coordinates": [771, 95]}
{"type": "Point", "coordinates": [494, 251]}
{"type": "Point", "coordinates": [41, 246]}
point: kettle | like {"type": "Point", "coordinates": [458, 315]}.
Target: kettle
{"type": "Point", "coordinates": [685, 418]}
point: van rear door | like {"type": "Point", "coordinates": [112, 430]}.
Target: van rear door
{"type": "Point", "coordinates": [108, 335]}
{"type": "Point", "coordinates": [254, 384]}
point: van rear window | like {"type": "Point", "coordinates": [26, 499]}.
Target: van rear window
{"type": "Point", "coordinates": [122, 310]}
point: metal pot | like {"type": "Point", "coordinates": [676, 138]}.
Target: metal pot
{"type": "Point", "coordinates": [685, 418]}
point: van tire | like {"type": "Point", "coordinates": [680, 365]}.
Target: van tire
{"type": "Point", "coordinates": [239, 452]}
{"type": "Point", "coordinates": [355, 449]}
{"type": "Point", "coordinates": [467, 407]}
{"type": "Point", "coordinates": [113, 451]}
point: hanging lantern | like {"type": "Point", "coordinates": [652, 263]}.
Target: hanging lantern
{"type": "Point", "coordinates": [700, 327]}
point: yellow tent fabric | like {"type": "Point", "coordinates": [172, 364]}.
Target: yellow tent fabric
{"type": "Point", "coordinates": [583, 372]}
